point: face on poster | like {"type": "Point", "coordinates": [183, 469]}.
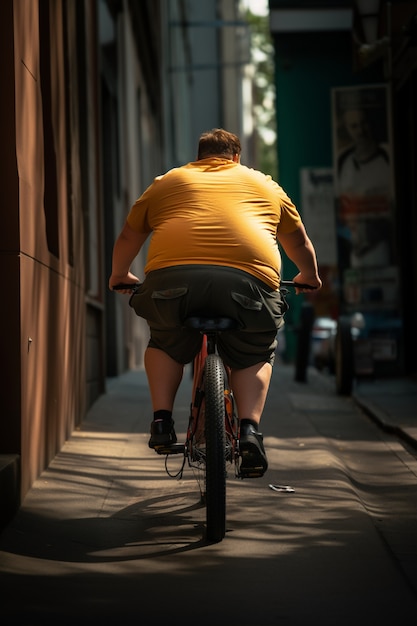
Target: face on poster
{"type": "Point", "coordinates": [363, 172]}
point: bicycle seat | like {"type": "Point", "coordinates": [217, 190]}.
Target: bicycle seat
{"type": "Point", "coordinates": [210, 323]}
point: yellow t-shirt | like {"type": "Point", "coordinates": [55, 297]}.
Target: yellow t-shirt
{"type": "Point", "coordinates": [215, 212]}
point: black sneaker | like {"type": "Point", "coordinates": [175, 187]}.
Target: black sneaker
{"type": "Point", "coordinates": [162, 434]}
{"type": "Point", "coordinates": [254, 462]}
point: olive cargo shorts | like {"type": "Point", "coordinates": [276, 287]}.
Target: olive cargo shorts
{"type": "Point", "coordinates": [168, 296]}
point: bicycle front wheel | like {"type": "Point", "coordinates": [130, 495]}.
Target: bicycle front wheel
{"type": "Point", "coordinates": [215, 448]}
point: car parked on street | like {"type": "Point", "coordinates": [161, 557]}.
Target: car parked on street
{"type": "Point", "coordinates": [323, 336]}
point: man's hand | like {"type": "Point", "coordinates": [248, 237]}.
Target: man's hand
{"type": "Point", "coordinates": [304, 279]}
{"type": "Point", "coordinates": [128, 278]}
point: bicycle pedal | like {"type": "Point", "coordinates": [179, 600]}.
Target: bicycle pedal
{"type": "Point", "coordinates": [174, 448]}
{"type": "Point", "coordinates": [251, 472]}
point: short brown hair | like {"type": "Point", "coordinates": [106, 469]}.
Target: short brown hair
{"type": "Point", "coordinates": [218, 142]}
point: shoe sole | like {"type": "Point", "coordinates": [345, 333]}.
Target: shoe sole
{"type": "Point", "coordinates": [253, 464]}
{"type": "Point", "coordinates": [173, 448]}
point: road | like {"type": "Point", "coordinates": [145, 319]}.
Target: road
{"type": "Point", "coordinates": [106, 537]}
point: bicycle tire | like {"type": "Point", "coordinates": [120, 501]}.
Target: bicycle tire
{"type": "Point", "coordinates": [214, 382]}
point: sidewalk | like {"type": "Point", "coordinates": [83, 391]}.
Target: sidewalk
{"type": "Point", "coordinates": [103, 529]}
{"type": "Point", "coordinates": [392, 404]}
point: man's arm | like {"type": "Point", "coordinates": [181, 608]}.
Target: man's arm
{"type": "Point", "coordinates": [125, 249]}
{"type": "Point", "coordinates": [300, 250]}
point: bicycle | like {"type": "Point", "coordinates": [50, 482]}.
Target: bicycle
{"type": "Point", "coordinates": [212, 438]}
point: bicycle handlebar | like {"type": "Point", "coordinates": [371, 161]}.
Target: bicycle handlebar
{"type": "Point", "coordinates": [121, 286]}
{"type": "Point", "coordinates": [292, 283]}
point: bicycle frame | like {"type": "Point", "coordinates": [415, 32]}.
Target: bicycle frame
{"type": "Point", "coordinates": [212, 434]}
{"type": "Point", "coordinates": [196, 426]}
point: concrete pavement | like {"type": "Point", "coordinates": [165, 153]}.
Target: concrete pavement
{"type": "Point", "coordinates": [392, 403]}
{"type": "Point", "coordinates": [106, 537]}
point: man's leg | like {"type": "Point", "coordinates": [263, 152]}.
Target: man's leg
{"type": "Point", "coordinates": [250, 389]}
{"type": "Point", "coordinates": [164, 377]}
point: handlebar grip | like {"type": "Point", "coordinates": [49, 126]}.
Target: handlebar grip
{"type": "Point", "coordinates": [291, 283]}
{"type": "Point", "coordinates": [121, 286]}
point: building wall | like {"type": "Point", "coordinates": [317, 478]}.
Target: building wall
{"type": "Point", "coordinates": [131, 152]}
{"type": "Point", "coordinates": [10, 397]}
{"type": "Point", "coordinates": [402, 31]}
{"type": "Point", "coordinates": [309, 61]}
{"type": "Point", "coordinates": [47, 256]}
{"type": "Point", "coordinates": [203, 64]}
{"type": "Point", "coordinates": [316, 50]}
{"type": "Point", "coordinates": [92, 109]}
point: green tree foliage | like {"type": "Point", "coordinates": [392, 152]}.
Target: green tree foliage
{"type": "Point", "coordinates": [262, 58]}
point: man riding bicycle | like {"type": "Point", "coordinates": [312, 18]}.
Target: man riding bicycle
{"type": "Point", "coordinates": [214, 225]}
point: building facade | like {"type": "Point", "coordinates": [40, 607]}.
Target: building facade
{"type": "Point", "coordinates": [98, 98]}
{"type": "Point", "coordinates": [332, 58]}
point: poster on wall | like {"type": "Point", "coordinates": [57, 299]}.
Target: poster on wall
{"type": "Point", "coordinates": [363, 169]}
{"type": "Point", "coordinates": [318, 213]}
{"type": "Point", "coordinates": [317, 205]}
{"type": "Point", "coordinates": [365, 220]}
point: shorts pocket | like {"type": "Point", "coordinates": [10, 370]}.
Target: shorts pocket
{"type": "Point", "coordinates": [246, 302]}
{"type": "Point", "coordinates": [262, 314]}
{"type": "Point", "coordinates": [162, 308]}
{"type": "Point", "coordinates": [169, 294]}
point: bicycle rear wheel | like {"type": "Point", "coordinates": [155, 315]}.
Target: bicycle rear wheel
{"type": "Point", "coordinates": [215, 448]}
